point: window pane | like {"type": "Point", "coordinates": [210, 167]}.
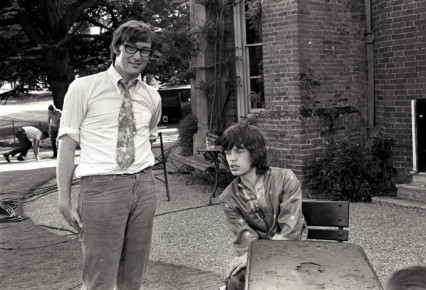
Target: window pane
{"type": "Point", "coordinates": [257, 97]}
{"type": "Point", "coordinates": [256, 60]}
{"type": "Point", "coordinates": [185, 96]}
{"type": "Point", "coordinates": [253, 15]}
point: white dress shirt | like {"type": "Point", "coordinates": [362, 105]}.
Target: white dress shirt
{"type": "Point", "coordinates": [90, 116]}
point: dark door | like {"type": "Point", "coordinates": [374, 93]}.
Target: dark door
{"type": "Point", "coordinates": [421, 134]}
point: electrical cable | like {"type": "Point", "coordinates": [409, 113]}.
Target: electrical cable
{"type": "Point", "coordinates": [74, 287]}
{"type": "Point", "coordinates": [206, 287]}
{"type": "Point", "coordinates": [8, 206]}
{"type": "Point", "coordinates": [185, 209]}
{"type": "Point", "coordinates": [53, 188]}
{"type": "Point", "coordinates": [39, 247]}
{"type": "Point", "coordinates": [59, 229]}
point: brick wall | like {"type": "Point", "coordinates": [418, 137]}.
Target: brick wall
{"type": "Point", "coordinates": [400, 70]}
{"type": "Point", "coordinates": [280, 122]}
{"type": "Point", "coordinates": [328, 37]}
{"type": "Point", "coordinates": [332, 43]}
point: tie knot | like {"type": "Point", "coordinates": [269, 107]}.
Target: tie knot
{"type": "Point", "coordinates": [125, 85]}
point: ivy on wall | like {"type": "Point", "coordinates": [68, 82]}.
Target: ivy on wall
{"type": "Point", "coordinates": [308, 82]}
{"type": "Point", "coordinates": [218, 32]}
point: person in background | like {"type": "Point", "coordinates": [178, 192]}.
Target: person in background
{"type": "Point", "coordinates": [262, 202]}
{"type": "Point", "coordinates": [409, 278]}
{"type": "Point", "coordinates": [113, 115]}
{"type": "Point", "coordinates": [25, 135]}
{"type": "Point", "coordinates": [53, 119]}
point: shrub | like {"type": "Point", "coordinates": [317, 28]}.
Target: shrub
{"type": "Point", "coordinates": [347, 170]}
{"type": "Point", "coordinates": [341, 171]}
{"type": "Point", "coordinates": [380, 166]}
{"type": "Point", "coordinates": [187, 128]}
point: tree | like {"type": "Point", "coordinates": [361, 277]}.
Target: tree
{"type": "Point", "coordinates": [50, 41]}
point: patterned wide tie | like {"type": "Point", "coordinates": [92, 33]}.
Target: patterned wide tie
{"type": "Point", "coordinates": [126, 127]}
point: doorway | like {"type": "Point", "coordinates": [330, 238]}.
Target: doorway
{"type": "Point", "coordinates": [420, 134]}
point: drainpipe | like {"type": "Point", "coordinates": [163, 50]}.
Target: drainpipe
{"type": "Point", "coordinates": [369, 40]}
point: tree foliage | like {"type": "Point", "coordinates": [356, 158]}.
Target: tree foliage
{"type": "Point", "coordinates": [48, 42]}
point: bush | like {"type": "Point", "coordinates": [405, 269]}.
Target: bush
{"type": "Point", "coordinates": [381, 167]}
{"type": "Point", "coordinates": [187, 128]}
{"type": "Point", "coordinates": [347, 170]}
{"type": "Point", "coordinates": [341, 172]}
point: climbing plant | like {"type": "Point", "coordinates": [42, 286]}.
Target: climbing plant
{"type": "Point", "coordinates": [308, 82]}
{"type": "Point", "coordinates": [218, 31]}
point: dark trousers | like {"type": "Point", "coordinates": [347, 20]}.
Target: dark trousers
{"type": "Point", "coordinates": [53, 136]}
{"type": "Point", "coordinates": [24, 144]}
{"type": "Point", "coordinates": [237, 281]}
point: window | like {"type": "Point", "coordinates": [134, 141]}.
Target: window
{"type": "Point", "coordinates": [249, 56]}
{"type": "Point", "coordinates": [185, 96]}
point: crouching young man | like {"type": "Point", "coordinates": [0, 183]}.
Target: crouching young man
{"type": "Point", "coordinates": [262, 202]}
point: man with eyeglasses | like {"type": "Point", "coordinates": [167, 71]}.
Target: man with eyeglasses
{"type": "Point", "coordinates": [262, 202]}
{"type": "Point", "coordinates": [113, 116]}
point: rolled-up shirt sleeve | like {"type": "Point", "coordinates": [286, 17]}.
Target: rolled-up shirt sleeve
{"type": "Point", "coordinates": [155, 119]}
{"type": "Point", "coordinates": [290, 219]}
{"type": "Point", "coordinates": [74, 110]}
{"type": "Point", "coordinates": [243, 233]}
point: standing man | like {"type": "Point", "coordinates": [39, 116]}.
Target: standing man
{"type": "Point", "coordinates": [53, 119]}
{"type": "Point", "coordinates": [112, 115]}
{"type": "Point", "coordinates": [25, 135]}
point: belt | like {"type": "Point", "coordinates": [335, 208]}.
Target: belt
{"type": "Point", "coordinates": [118, 174]}
{"type": "Point", "coordinates": [130, 174]}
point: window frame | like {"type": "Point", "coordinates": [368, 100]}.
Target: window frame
{"type": "Point", "coordinates": [242, 63]}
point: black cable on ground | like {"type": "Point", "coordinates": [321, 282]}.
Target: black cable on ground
{"type": "Point", "coordinates": [185, 209]}
{"type": "Point", "coordinates": [8, 214]}
{"type": "Point", "coordinates": [39, 247]}
{"type": "Point", "coordinates": [8, 207]}
{"type": "Point", "coordinates": [206, 287]}
{"type": "Point", "coordinates": [59, 229]}
{"type": "Point", "coordinates": [53, 188]}
{"type": "Point", "coordinates": [74, 287]}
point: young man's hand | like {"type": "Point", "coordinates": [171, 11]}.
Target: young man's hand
{"type": "Point", "coordinates": [237, 264]}
{"type": "Point", "coordinates": [71, 216]}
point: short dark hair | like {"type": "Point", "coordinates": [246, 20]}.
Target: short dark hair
{"type": "Point", "coordinates": [45, 134]}
{"type": "Point", "coordinates": [409, 278]}
{"type": "Point", "coordinates": [51, 108]}
{"type": "Point", "coordinates": [131, 31]}
{"type": "Point", "coordinates": [249, 137]}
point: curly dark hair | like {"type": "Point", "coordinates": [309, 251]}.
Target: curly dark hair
{"type": "Point", "coordinates": [249, 137]}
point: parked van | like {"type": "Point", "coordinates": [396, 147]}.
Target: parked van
{"type": "Point", "coordinates": [176, 102]}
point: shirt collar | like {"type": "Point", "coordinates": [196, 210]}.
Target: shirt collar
{"type": "Point", "coordinates": [246, 192]}
{"type": "Point", "coordinates": [114, 76]}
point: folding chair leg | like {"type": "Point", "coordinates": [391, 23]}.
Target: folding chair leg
{"type": "Point", "coordinates": [166, 182]}
{"type": "Point", "coordinates": [164, 161]}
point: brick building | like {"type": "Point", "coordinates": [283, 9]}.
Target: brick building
{"type": "Point", "coordinates": [316, 68]}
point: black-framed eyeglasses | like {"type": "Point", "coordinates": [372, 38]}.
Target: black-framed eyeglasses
{"type": "Point", "coordinates": [133, 49]}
